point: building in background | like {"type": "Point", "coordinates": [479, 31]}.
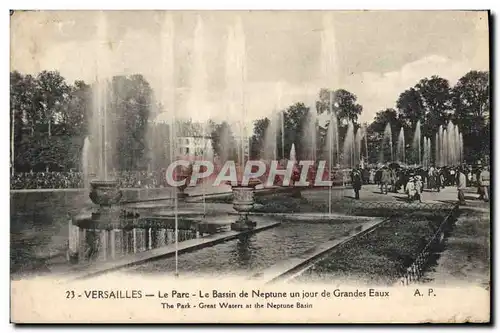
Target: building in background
{"type": "Point", "coordinates": [194, 147]}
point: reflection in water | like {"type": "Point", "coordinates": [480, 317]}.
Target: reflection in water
{"type": "Point", "coordinates": [244, 249]}
{"type": "Point", "coordinates": [110, 244]}
{"type": "Point", "coordinates": [251, 253]}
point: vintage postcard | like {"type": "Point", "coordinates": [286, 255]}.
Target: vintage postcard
{"type": "Point", "coordinates": [250, 167]}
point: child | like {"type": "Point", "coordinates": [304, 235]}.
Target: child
{"type": "Point", "coordinates": [419, 186]}
{"type": "Point", "coordinates": [413, 189]}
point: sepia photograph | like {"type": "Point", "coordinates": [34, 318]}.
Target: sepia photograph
{"type": "Point", "coordinates": [252, 166]}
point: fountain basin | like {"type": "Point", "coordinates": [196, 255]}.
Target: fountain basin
{"type": "Point", "coordinates": [105, 192]}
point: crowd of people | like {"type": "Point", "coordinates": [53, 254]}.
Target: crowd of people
{"type": "Point", "coordinates": [43, 180]}
{"type": "Point", "coordinates": [390, 178]}
{"type": "Point", "coordinates": [413, 180]}
{"type": "Point", "coordinates": [72, 179]}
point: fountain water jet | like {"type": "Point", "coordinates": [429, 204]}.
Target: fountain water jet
{"type": "Point", "coordinates": [104, 190]}
{"type": "Point", "coordinates": [417, 144]}
{"type": "Point", "coordinates": [449, 145]}
{"type": "Point", "coordinates": [243, 196]}
{"type": "Point", "coordinates": [309, 134]}
{"type": "Point", "coordinates": [199, 89]}
{"type": "Point", "coordinates": [270, 137]}
{"type": "Point", "coordinates": [87, 162]}
{"type": "Point", "coordinates": [426, 160]}
{"type": "Point", "coordinates": [386, 139]}
{"type": "Point", "coordinates": [357, 147]}
{"type": "Point", "coordinates": [167, 43]}
{"type": "Point", "coordinates": [401, 147]}
{"type": "Point", "coordinates": [349, 146]}
{"type": "Point", "coordinates": [331, 147]}
{"type": "Point", "coordinates": [293, 154]}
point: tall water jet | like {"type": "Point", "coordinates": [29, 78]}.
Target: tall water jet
{"type": "Point", "coordinates": [427, 153]}
{"type": "Point", "coordinates": [309, 134]}
{"type": "Point", "coordinates": [236, 78]}
{"type": "Point", "coordinates": [461, 147]}
{"type": "Point", "coordinates": [207, 155]}
{"type": "Point", "coordinates": [330, 149]}
{"type": "Point", "coordinates": [436, 149]}
{"type": "Point", "coordinates": [198, 75]}
{"type": "Point", "coordinates": [401, 147]}
{"type": "Point", "coordinates": [102, 133]}
{"type": "Point", "coordinates": [282, 131]}
{"type": "Point", "coordinates": [199, 85]}
{"type": "Point", "coordinates": [440, 147]}
{"type": "Point", "coordinates": [424, 153]}
{"type": "Point", "coordinates": [227, 149]}
{"type": "Point", "coordinates": [168, 97]}
{"type": "Point", "coordinates": [446, 147]}
{"type": "Point", "coordinates": [281, 116]}
{"type": "Point", "coordinates": [358, 138]}
{"type": "Point", "coordinates": [457, 145]}
{"type": "Point", "coordinates": [450, 143]}
{"type": "Point", "coordinates": [328, 62]}
{"type": "Point", "coordinates": [293, 153]}
{"type": "Point", "coordinates": [235, 84]}
{"type": "Point", "coordinates": [105, 190]}
{"type": "Point", "coordinates": [242, 66]}
{"type": "Point", "coordinates": [87, 162]}
{"type": "Point", "coordinates": [348, 147]}
{"type": "Point", "coordinates": [328, 76]}
{"type": "Point", "coordinates": [386, 145]}
{"type": "Point", "coordinates": [417, 144]}
{"type": "Point", "coordinates": [270, 137]}
{"type": "Point", "coordinates": [365, 137]}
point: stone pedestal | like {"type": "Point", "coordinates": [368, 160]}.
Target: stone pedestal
{"type": "Point", "coordinates": [180, 193]}
{"type": "Point", "coordinates": [243, 201]}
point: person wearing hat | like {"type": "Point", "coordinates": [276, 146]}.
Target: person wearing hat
{"type": "Point", "coordinates": [410, 188]}
{"type": "Point", "coordinates": [356, 181]}
{"type": "Point", "coordinates": [484, 183]}
{"type": "Point", "coordinates": [418, 187]}
{"type": "Point", "coordinates": [461, 185]}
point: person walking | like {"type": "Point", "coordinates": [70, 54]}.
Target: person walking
{"type": "Point", "coordinates": [356, 181]}
{"type": "Point", "coordinates": [393, 180]}
{"type": "Point", "coordinates": [431, 176]}
{"type": "Point", "coordinates": [484, 179]}
{"type": "Point", "coordinates": [372, 176]}
{"type": "Point", "coordinates": [461, 185]}
{"type": "Point", "coordinates": [385, 180]}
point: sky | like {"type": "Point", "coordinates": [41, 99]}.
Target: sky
{"type": "Point", "coordinates": [205, 59]}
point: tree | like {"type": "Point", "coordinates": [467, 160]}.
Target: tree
{"type": "Point", "coordinates": [77, 109]}
{"type": "Point", "coordinates": [375, 133]}
{"type": "Point", "coordinates": [19, 106]}
{"type": "Point", "coordinates": [294, 118]}
{"type": "Point", "coordinates": [435, 94]}
{"type": "Point", "coordinates": [129, 103]}
{"type": "Point", "coordinates": [470, 100]}
{"type": "Point", "coordinates": [51, 96]}
{"type": "Point", "coordinates": [343, 101]}
{"type": "Point", "coordinates": [382, 118]}
{"type": "Point", "coordinates": [257, 140]}
{"type": "Point", "coordinates": [410, 107]}
{"type": "Point", "coordinates": [223, 142]}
